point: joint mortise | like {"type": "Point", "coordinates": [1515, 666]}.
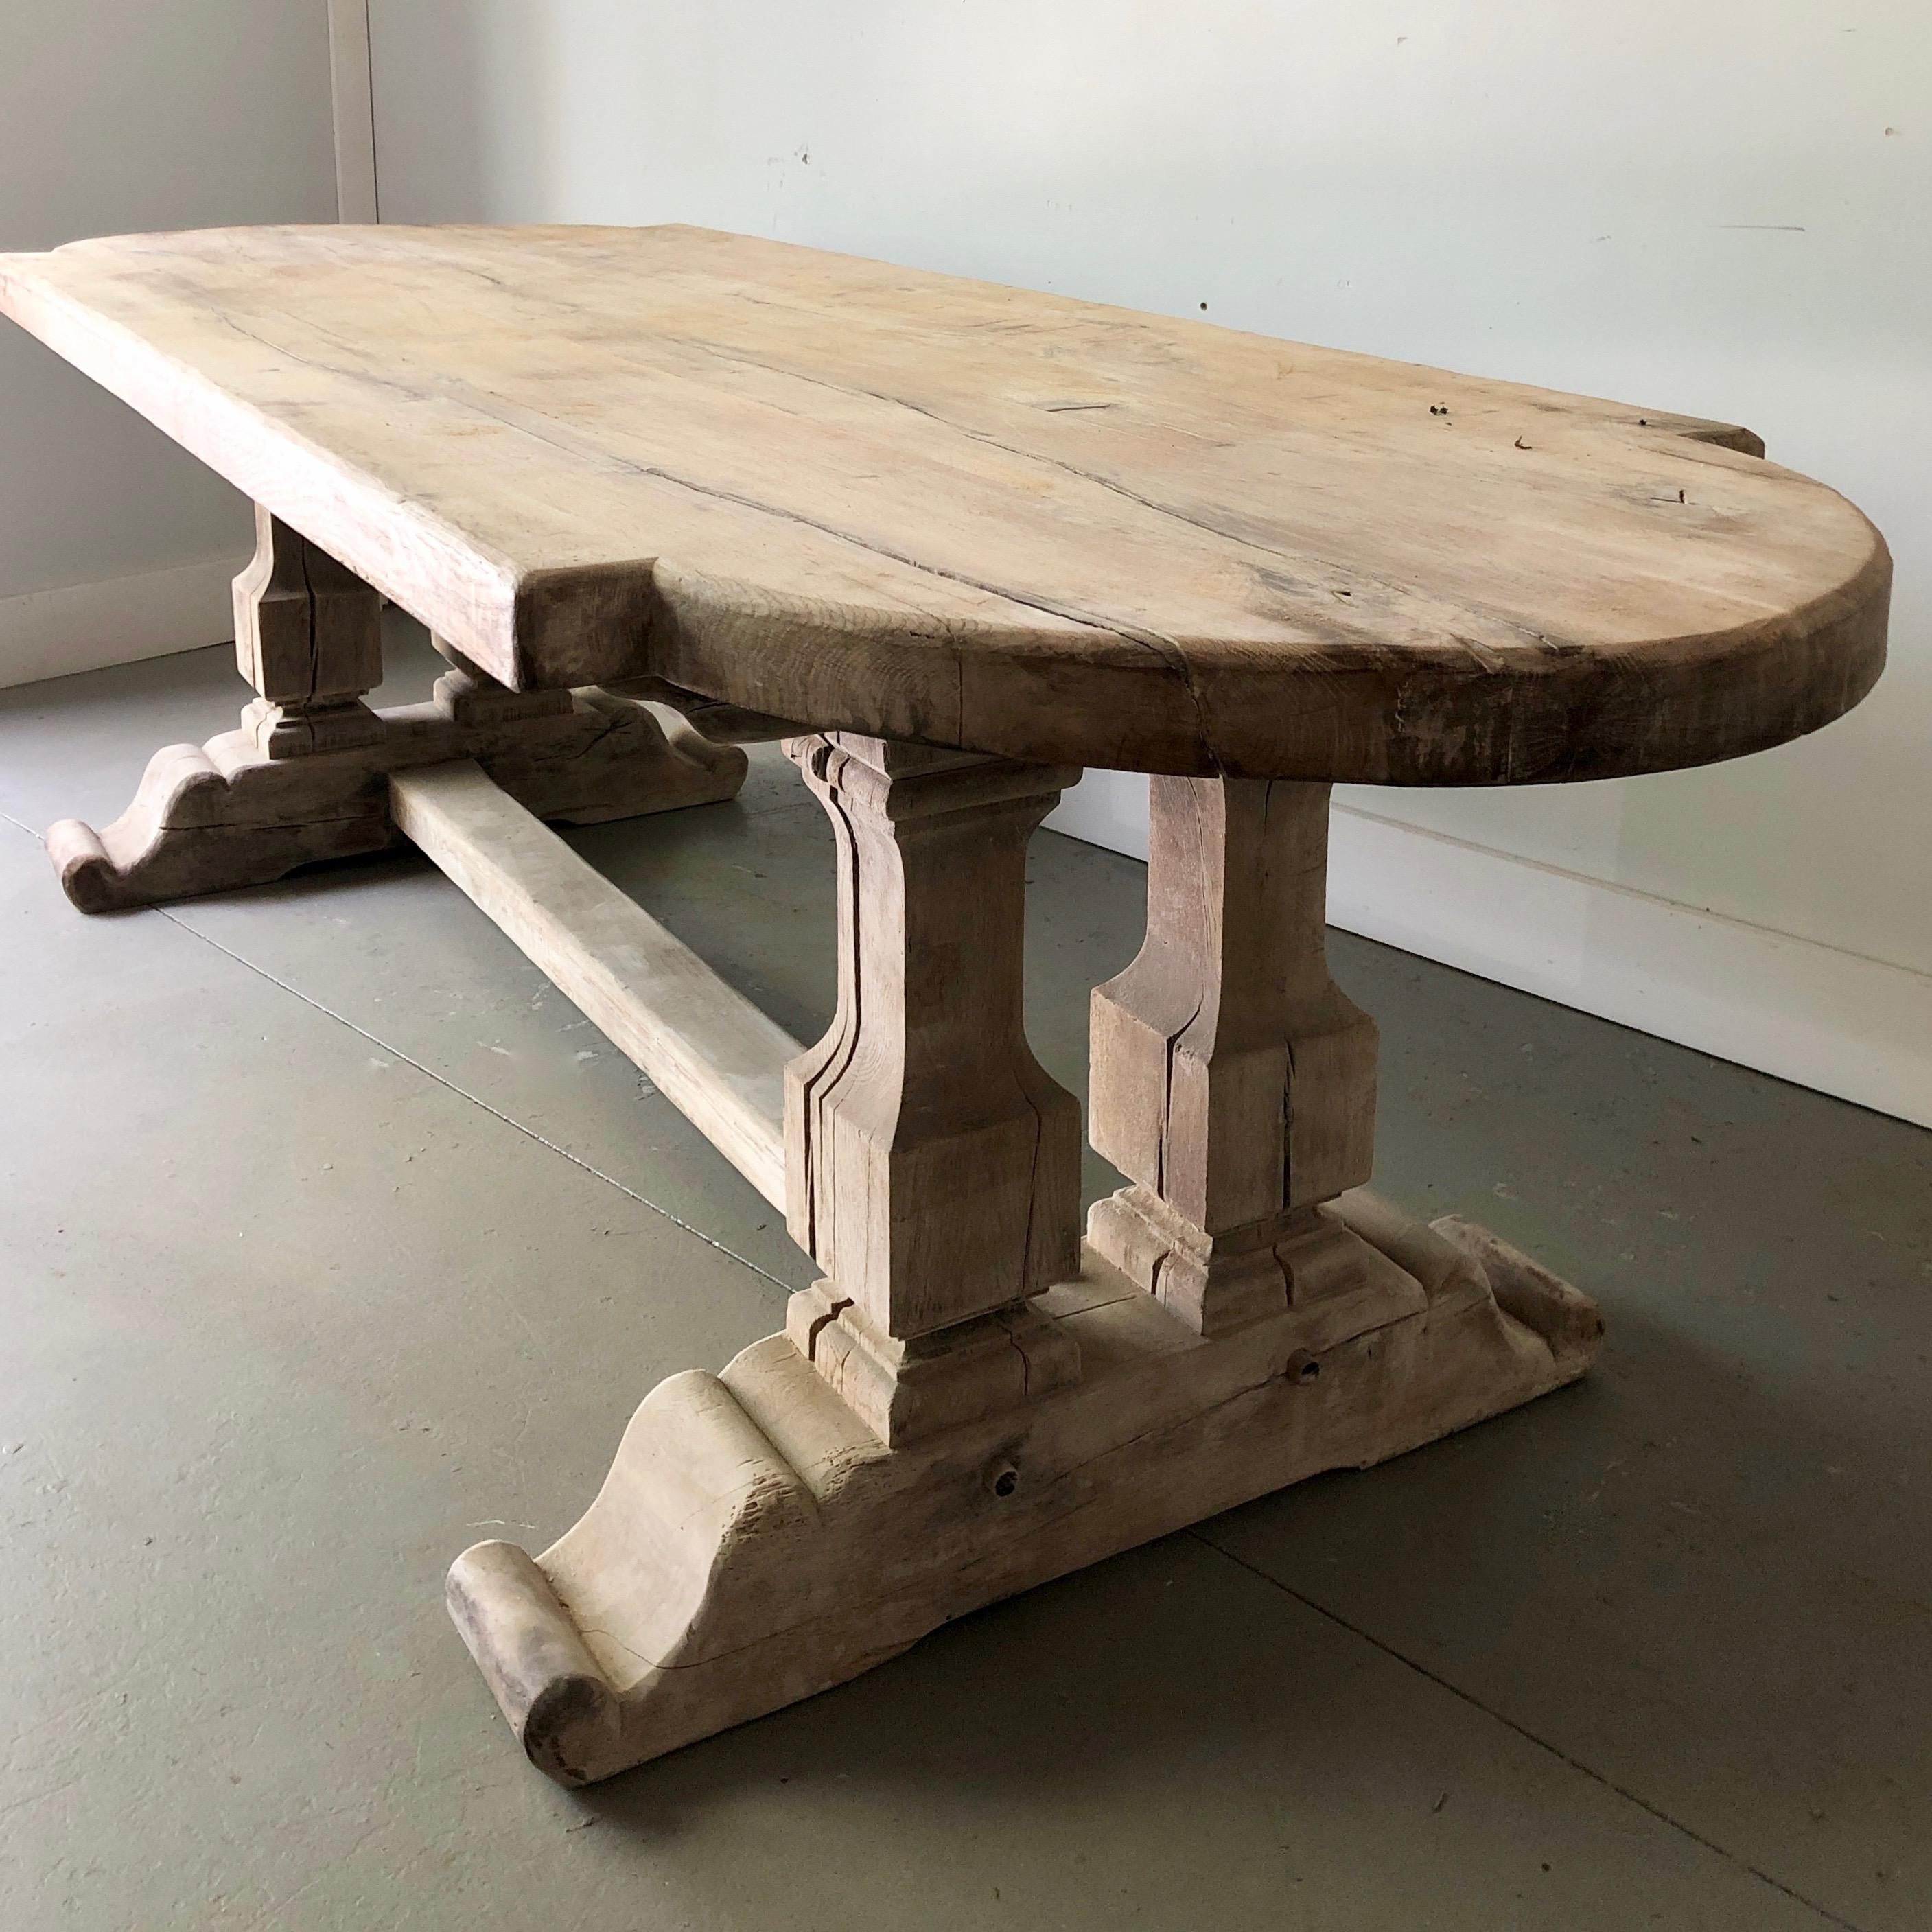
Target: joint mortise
{"type": "Point", "coordinates": [1232, 1080]}
{"type": "Point", "coordinates": [932, 1166]}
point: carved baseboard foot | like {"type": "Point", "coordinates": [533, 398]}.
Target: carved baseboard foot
{"type": "Point", "coordinates": [240, 810]}
{"type": "Point", "coordinates": [756, 1542]}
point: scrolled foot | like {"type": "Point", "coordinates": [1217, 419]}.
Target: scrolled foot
{"type": "Point", "coordinates": [216, 817]}
{"type": "Point", "coordinates": [756, 1542]}
{"type": "Point", "coordinates": [564, 1712]}
{"type": "Point", "coordinates": [1566, 1318]}
{"type": "Point", "coordinates": [87, 875]}
{"type": "Point", "coordinates": [213, 818]}
{"type": "Point", "coordinates": [700, 1589]}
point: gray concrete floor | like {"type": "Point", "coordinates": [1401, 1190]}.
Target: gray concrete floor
{"type": "Point", "coordinates": [332, 1238]}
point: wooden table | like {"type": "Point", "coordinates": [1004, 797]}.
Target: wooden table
{"type": "Point", "coordinates": [952, 542]}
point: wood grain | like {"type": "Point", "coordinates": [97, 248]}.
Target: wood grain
{"type": "Point", "coordinates": [933, 1166]}
{"type": "Point", "coordinates": [308, 636]}
{"type": "Point", "coordinates": [711, 1053]}
{"type": "Point", "coordinates": [1233, 1082]}
{"type": "Point", "coordinates": [213, 817]}
{"type": "Point", "coordinates": [935, 510]}
{"type": "Point", "coordinates": [755, 1542]}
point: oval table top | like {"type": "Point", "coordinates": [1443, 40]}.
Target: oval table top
{"type": "Point", "coordinates": [867, 497]}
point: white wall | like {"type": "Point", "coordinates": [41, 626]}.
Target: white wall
{"type": "Point", "coordinates": [117, 115]}
{"type": "Point", "coordinates": [1719, 208]}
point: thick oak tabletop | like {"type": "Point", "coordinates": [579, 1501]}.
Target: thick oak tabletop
{"type": "Point", "coordinates": [863, 496]}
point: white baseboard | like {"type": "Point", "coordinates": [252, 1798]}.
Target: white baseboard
{"type": "Point", "coordinates": [1858, 1028]}
{"type": "Point", "coordinates": [84, 626]}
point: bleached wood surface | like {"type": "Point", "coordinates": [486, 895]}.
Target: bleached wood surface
{"type": "Point", "coordinates": [859, 497]}
{"type": "Point", "coordinates": [714, 1055]}
{"type": "Point", "coordinates": [913, 518]}
{"type": "Point", "coordinates": [755, 1542]}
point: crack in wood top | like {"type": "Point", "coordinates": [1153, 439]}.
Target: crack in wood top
{"type": "Point", "coordinates": [938, 510]}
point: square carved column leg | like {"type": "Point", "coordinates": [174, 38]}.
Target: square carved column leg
{"type": "Point", "coordinates": [305, 777]}
{"type": "Point", "coordinates": [1233, 1083]}
{"type": "Point", "coordinates": [1232, 1080]}
{"type": "Point", "coordinates": [932, 1169]}
{"type": "Point", "coordinates": [964, 1407]}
